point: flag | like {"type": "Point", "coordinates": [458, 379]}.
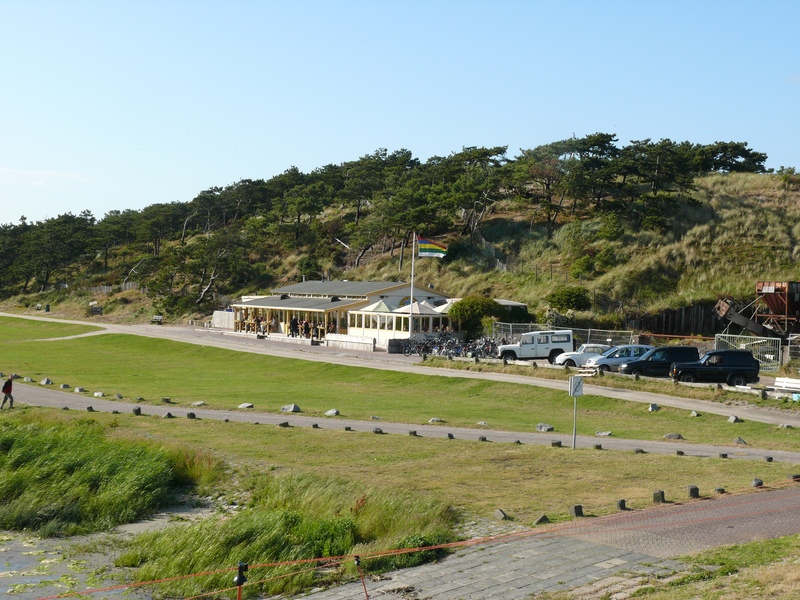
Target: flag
{"type": "Point", "coordinates": [428, 248]}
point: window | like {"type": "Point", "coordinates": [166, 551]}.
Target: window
{"type": "Point", "coordinates": [543, 339]}
{"type": "Point", "coordinates": [559, 338]}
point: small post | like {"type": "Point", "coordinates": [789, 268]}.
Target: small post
{"type": "Point", "coordinates": [240, 579]}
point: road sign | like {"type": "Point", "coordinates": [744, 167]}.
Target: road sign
{"type": "Point", "coordinates": [575, 386]}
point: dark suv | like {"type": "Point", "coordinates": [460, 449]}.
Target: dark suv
{"type": "Point", "coordinates": [657, 361]}
{"type": "Point", "coordinates": [734, 367]}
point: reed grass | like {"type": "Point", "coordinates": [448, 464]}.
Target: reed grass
{"type": "Point", "coordinates": [60, 478]}
{"type": "Point", "coordinates": [292, 517]}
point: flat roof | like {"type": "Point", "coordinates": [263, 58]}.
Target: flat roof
{"type": "Point", "coordinates": [289, 303]}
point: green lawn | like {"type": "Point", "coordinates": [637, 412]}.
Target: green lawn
{"type": "Point", "coordinates": [16, 330]}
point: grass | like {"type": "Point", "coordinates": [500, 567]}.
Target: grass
{"type": "Point", "coordinates": [293, 518]}
{"type": "Point", "coordinates": [18, 330]}
{"type": "Point", "coordinates": [58, 478]}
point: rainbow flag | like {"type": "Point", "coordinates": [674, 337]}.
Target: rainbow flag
{"type": "Point", "coordinates": [428, 248]}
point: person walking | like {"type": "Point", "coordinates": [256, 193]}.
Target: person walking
{"type": "Point", "coordinates": [7, 393]}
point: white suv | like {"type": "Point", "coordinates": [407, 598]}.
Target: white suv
{"type": "Point", "coordinates": [538, 344]}
{"type": "Point", "coordinates": [611, 359]}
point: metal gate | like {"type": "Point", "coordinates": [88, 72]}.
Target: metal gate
{"type": "Point", "coordinates": [767, 351]}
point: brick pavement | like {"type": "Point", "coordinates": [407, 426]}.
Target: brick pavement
{"type": "Point", "coordinates": [589, 554]}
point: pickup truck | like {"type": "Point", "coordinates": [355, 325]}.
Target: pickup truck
{"type": "Point", "coordinates": [538, 344]}
{"type": "Point", "coordinates": [734, 367]}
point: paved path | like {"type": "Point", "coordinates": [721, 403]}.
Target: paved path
{"type": "Point", "coordinates": [588, 553]}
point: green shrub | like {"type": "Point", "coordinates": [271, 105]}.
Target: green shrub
{"type": "Point", "coordinates": [570, 297]}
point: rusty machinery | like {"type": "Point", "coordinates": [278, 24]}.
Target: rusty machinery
{"type": "Point", "coordinates": [775, 311]}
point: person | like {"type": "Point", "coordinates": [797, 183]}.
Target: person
{"type": "Point", "coordinates": [7, 393]}
{"type": "Point", "coordinates": [294, 327]}
{"type": "Point", "coordinates": [306, 329]}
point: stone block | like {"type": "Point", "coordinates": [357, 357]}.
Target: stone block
{"type": "Point", "coordinates": [555, 444]}
{"type": "Point", "coordinates": [694, 491]}
{"type": "Point", "coordinates": [652, 408]}
{"type": "Point", "coordinates": [46, 381]}
{"type": "Point", "coordinates": [412, 433]}
{"type": "Point", "coordinates": [734, 419]}
{"type": "Point", "coordinates": [757, 483]}
{"type": "Point", "coordinates": [198, 403]}
{"type": "Point", "coordinates": [541, 520]}
{"type": "Point", "coordinates": [64, 386]}
{"type": "Point", "coordinates": [79, 390]}
{"type": "Point", "coordinates": [576, 510]}
{"type": "Point", "coordinates": [500, 514]}
{"type": "Point", "coordinates": [450, 436]}
{"type": "Point", "coordinates": [673, 436]}
{"type": "Point", "coordinates": [544, 427]}
{"type": "Point", "coordinates": [98, 394]}
{"type": "Point", "coordinates": [167, 416]}
{"type": "Point", "coordinates": [284, 424]}
{"type": "Point", "coordinates": [603, 434]}
{"type": "Point", "coordinates": [245, 405]}
{"type": "Point", "coordinates": [739, 441]}
{"type": "Point", "coordinates": [482, 438]}
{"type": "Point", "coordinates": [658, 497]}
{"type": "Point", "coordinates": [314, 426]}
{"type": "Point", "coordinates": [719, 490]}
{"type": "Point", "coordinates": [723, 455]}
{"type": "Point", "coordinates": [137, 410]}
{"type": "Point", "coordinates": [290, 408]}
{"type": "Point", "coordinates": [89, 409]}
{"type": "Point", "coordinates": [191, 415]}
{"type": "Point", "coordinates": [621, 505]}
{"type": "Point", "coordinates": [436, 420]}
{"type": "Point", "coordinates": [377, 430]}
{"type": "Point", "coordinates": [332, 413]}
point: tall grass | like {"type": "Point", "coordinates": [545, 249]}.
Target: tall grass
{"type": "Point", "coordinates": [291, 518]}
{"type": "Point", "coordinates": [64, 479]}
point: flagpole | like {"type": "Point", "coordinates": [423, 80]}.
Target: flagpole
{"type": "Point", "coordinates": [411, 294]}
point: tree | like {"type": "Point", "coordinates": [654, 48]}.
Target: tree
{"type": "Point", "coordinates": [470, 311]}
{"type": "Point", "coordinates": [570, 297]}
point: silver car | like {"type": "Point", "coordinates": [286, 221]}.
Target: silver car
{"type": "Point", "coordinates": [581, 355]}
{"type": "Point", "coordinates": [611, 359]}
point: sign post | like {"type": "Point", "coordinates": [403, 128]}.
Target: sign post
{"type": "Point", "coordinates": [575, 390]}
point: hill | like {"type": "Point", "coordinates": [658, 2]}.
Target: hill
{"type": "Point", "coordinates": [643, 227]}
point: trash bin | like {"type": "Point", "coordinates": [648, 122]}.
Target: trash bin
{"type": "Point", "coordinates": [395, 346]}
{"type": "Point", "coordinates": [46, 308]}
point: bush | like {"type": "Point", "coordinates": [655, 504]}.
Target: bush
{"type": "Point", "coordinates": [570, 297]}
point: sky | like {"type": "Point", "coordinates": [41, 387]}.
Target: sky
{"type": "Point", "coordinates": [119, 104]}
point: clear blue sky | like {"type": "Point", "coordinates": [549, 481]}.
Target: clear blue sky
{"type": "Point", "coordinates": [118, 104]}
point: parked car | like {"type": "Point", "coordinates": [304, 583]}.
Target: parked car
{"type": "Point", "coordinates": [538, 344]}
{"type": "Point", "coordinates": [581, 355]}
{"type": "Point", "coordinates": [734, 367]}
{"type": "Point", "coordinates": [611, 359]}
{"type": "Point", "coordinates": [656, 362]}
